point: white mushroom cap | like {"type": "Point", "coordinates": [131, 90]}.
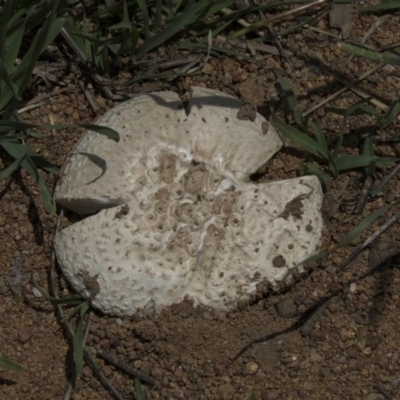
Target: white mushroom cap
{"type": "Point", "coordinates": [179, 218]}
{"type": "Point", "coordinates": [154, 130]}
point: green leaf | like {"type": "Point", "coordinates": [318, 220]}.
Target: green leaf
{"type": "Point", "coordinates": [143, 7]}
{"type": "Point", "coordinates": [173, 28]}
{"type": "Point", "coordinates": [390, 114]}
{"type": "Point", "coordinates": [368, 151]}
{"type": "Point", "coordinates": [14, 40]}
{"type": "Point", "coordinates": [358, 108]}
{"type": "Point", "coordinates": [297, 137]}
{"type": "Point", "coordinates": [384, 5]}
{"type": "Point", "coordinates": [139, 394]}
{"type": "Point", "coordinates": [13, 89]}
{"type": "Point", "coordinates": [313, 169]}
{"type": "Point", "coordinates": [319, 134]}
{"type": "Point", "coordinates": [293, 103]}
{"type": "Point", "coordinates": [395, 137]}
{"type": "Point", "coordinates": [5, 173]}
{"type": "Point", "coordinates": [287, 89]}
{"type": "Point", "coordinates": [7, 125]}
{"type": "Point", "coordinates": [78, 339]}
{"type": "Point", "coordinates": [16, 150]}
{"type": "Point", "coordinates": [362, 226]}
{"type": "Point", "coordinates": [8, 364]}
{"type": "Point", "coordinates": [103, 130]}
{"type": "Point", "coordinates": [348, 161]}
{"type": "Point", "coordinates": [387, 57]}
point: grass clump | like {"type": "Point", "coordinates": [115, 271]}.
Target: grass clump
{"type": "Point", "coordinates": [310, 137]}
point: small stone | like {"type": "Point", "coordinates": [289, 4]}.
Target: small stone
{"type": "Point", "coordinates": [68, 111]}
{"type": "Point", "coordinates": [367, 351]}
{"type": "Point", "coordinates": [226, 391]}
{"type": "Point", "coordinates": [251, 367]}
{"type": "Point", "coordinates": [24, 335]}
{"type": "Point", "coordinates": [107, 371]}
{"type": "Point", "coordinates": [207, 69]}
{"type": "Point", "coordinates": [286, 308]}
{"type": "Point", "coordinates": [36, 292]}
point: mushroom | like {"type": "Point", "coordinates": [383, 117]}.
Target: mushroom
{"type": "Point", "coordinates": [175, 215]}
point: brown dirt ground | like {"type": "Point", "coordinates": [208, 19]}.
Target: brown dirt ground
{"type": "Point", "coordinates": [353, 352]}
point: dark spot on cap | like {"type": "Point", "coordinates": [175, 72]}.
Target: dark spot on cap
{"type": "Point", "coordinates": [124, 210]}
{"type": "Point", "coordinates": [279, 261]}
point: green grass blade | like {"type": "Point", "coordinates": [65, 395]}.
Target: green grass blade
{"type": "Point", "coordinates": [7, 125]}
{"type": "Point", "coordinates": [6, 172]}
{"type": "Point", "coordinates": [139, 394]}
{"type": "Point", "coordinates": [103, 130]}
{"type": "Point", "coordinates": [319, 134]}
{"type": "Point", "coordinates": [7, 11]}
{"type": "Point", "coordinates": [77, 343]}
{"type": "Point", "coordinates": [384, 5]}
{"type": "Point", "coordinates": [51, 28]}
{"type": "Point", "coordinates": [199, 45]}
{"type": "Point", "coordinates": [16, 150]}
{"type": "Point", "coordinates": [298, 137]}
{"type": "Point", "coordinates": [287, 89]}
{"type": "Point", "coordinates": [358, 108]}
{"type": "Point", "coordinates": [143, 7]}
{"type": "Point", "coordinates": [313, 169]}
{"type": "Point", "coordinates": [8, 364]}
{"type": "Point", "coordinates": [337, 148]}
{"type": "Point", "coordinates": [172, 29]}
{"type": "Point", "coordinates": [78, 339]}
{"type": "Point", "coordinates": [362, 226]}
{"type": "Point", "coordinates": [390, 114]}
{"type": "Point", "coordinates": [13, 90]}
{"type": "Point", "coordinates": [292, 101]}
{"type": "Point", "coordinates": [158, 14]}
{"type": "Point", "coordinates": [347, 161]}
{"type": "Point", "coordinates": [387, 57]}
{"type": "Point", "coordinates": [395, 137]}
{"type": "Point", "coordinates": [14, 41]}
{"type": "Point", "coordinates": [368, 151]}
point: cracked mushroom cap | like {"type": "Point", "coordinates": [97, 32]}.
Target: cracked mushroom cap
{"type": "Point", "coordinates": [179, 218]}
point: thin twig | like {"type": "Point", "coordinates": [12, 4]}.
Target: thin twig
{"type": "Point", "coordinates": [242, 44]}
{"type": "Point", "coordinates": [126, 368]}
{"type": "Point", "coordinates": [89, 98]}
{"type": "Point", "coordinates": [279, 46]}
{"type": "Point", "coordinates": [388, 177]}
{"type": "Point", "coordinates": [39, 101]}
{"type": "Point", "coordinates": [364, 245]}
{"type": "Point", "coordinates": [362, 199]}
{"type": "Point", "coordinates": [340, 91]}
{"type": "Point", "coordinates": [176, 63]}
{"type": "Point", "coordinates": [277, 17]}
{"type": "Point", "coordinates": [362, 93]}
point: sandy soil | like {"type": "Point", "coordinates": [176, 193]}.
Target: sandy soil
{"type": "Point", "coordinates": [262, 350]}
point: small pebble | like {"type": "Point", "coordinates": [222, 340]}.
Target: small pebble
{"type": "Point", "coordinates": [286, 308]}
{"type": "Point", "coordinates": [36, 292]}
{"type": "Point", "coordinates": [251, 367]}
{"type": "Point", "coordinates": [25, 334]}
